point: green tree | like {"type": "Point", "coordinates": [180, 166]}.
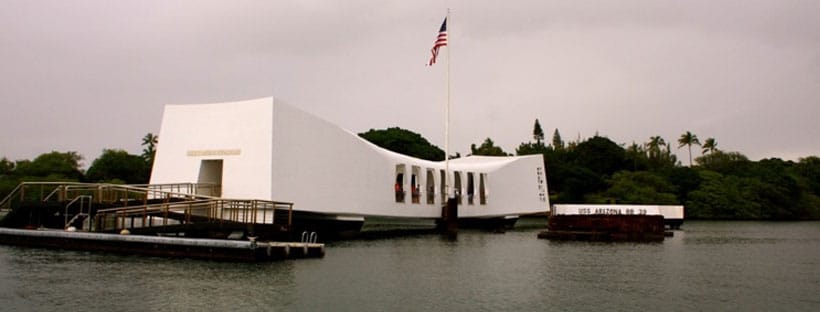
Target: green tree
{"type": "Point", "coordinates": [807, 174]}
{"type": "Point", "coordinates": [636, 157]}
{"type": "Point", "coordinates": [118, 165]}
{"type": "Point", "coordinates": [722, 197]}
{"type": "Point", "coordinates": [685, 180]}
{"type": "Point", "coordinates": [52, 166]}
{"type": "Point", "coordinates": [767, 189]}
{"type": "Point", "coordinates": [730, 163]}
{"type": "Point", "coordinates": [600, 155]}
{"type": "Point", "coordinates": [640, 188]}
{"type": "Point", "coordinates": [808, 168]}
{"type": "Point", "coordinates": [6, 167]}
{"type": "Point", "coordinates": [722, 185]}
{"type": "Point", "coordinates": [775, 188]}
{"type": "Point", "coordinates": [487, 148]}
{"type": "Point", "coordinates": [404, 142]}
{"type": "Point", "coordinates": [709, 146]}
{"type": "Point", "coordinates": [8, 181]}
{"type": "Point", "coordinates": [667, 159]}
{"type": "Point", "coordinates": [654, 146]}
{"type": "Point", "coordinates": [688, 139]}
{"type": "Point", "coordinates": [537, 132]}
{"type": "Point", "coordinates": [150, 142]}
{"type": "Point", "coordinates": [529, 148]}
{"type": "Point", "coordinates": [557, 142]}
{"type": "Point", "coordinates": [572, 183]}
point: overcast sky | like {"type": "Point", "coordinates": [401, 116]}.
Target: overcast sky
{"type": "Point", "coordinates": [87, 75]}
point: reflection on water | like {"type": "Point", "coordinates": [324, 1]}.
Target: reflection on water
{"type": "Point", "coordinates": [38, 280]}
{"type": "Point", "coordinates": [706, 266]}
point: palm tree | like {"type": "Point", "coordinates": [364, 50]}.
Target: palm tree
{"type": "Point", "coordinates": [635, 152]}
{"type": "Point", "coordinates": [669, 157]}
{"type": "Point", "coordinates": [150, 142]}
{"type": "Point", "coordinates": [654, 146]}
{"type": "Point", "coordinates": [688, 139]}
{"type": "Point", "coordinates": [710, 146]}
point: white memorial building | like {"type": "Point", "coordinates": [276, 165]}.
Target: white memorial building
{"type": "Point", "coordinates": [265, 149]}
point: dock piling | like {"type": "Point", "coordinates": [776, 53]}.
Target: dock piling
{"type": "Point", "coordinates": [449, 218]}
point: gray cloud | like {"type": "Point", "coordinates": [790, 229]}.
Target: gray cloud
{"type": "Point", "coordinates": [88, 75]}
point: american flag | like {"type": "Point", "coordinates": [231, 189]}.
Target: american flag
{"type": "Point", "coordinates": [440, 42]}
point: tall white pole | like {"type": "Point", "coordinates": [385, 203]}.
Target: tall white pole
{"type": "Point", "coordinates": [447, 111]}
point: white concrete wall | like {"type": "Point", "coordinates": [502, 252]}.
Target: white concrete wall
{"type": "Point", "coordinates": [513, 187]}
{"type": "Point", "coordinates": [667, 211]}
{"type": "Point", "coordinates": [239, 133]}
{"type": "Point", "coordinates": [671, 211]}
{"type": "Point", "coordinates": [321, 167]}
{"type": "Point", "coordinates": [584, 209]}
{"type": "Point", "coordinates": [274, 151]}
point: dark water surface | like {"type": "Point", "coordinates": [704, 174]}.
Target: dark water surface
{"type": "Point", "coordinates": [711, 266]}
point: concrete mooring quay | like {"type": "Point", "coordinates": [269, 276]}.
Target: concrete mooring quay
{"type": "Point", "coordinates": [212, 249]}
{"type": "Point", "coordinates": [635, 228]}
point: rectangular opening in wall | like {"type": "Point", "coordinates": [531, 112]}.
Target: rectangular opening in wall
{"type": "Point", "coordinates": [209, 181]}
{"type": "Point", "coordinates": [457, 185]}
{"type": "Point", "coordinates": [443, 187]}
{"type": "Point", "coordinates": [482, 188]}
{"type": "Point", "coordinates": [398, 187]}
{"type": "Point", "coordinates": [470, 187]}
{"type": "Point", "coordinates": [415, 184]}
{"type": "Point", "coordinates": [431, 187]}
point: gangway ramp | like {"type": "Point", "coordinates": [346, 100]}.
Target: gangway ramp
{"type": "Point", "coordinates": [220, 217]}
{"type": "Point", "coordinates": [161, 209]}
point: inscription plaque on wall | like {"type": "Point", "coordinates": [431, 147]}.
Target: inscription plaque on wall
{"type": "Point", "coordinates": [542, 186]}
{"type": "Point", "coordinates": [219, 152]}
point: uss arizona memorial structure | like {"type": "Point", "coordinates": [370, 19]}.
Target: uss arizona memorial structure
{"type": "Point", "coordinates": [266, 149]}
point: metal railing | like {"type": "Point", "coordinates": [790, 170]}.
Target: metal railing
{"type": "Point", "coordinates": [85, 202]}
{"type": "Point", "coordinates": [177, 203]}
{"type": "Point", "coordinates": [195, 211]}
{"type": "Point", "coordinates": [29, 191]}
{"type": "Point", "coordinates": [106, 193]}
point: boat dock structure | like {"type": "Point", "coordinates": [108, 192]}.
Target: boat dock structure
{"type": "Point", "coordinates": [635, 223]}
{"type": "Point", "coordinates": [157, 220]}
{"type": "Point", "coordinates": [199, 248]}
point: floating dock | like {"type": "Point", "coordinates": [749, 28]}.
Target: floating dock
{"type": "Point", "coordinates": [197, 248]}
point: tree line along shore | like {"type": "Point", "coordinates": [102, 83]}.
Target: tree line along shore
{"type": "Point", "coordinates": [712, 184]}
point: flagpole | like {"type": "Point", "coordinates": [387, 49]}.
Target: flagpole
{"type": "Point", "coordinates": [447, 110]}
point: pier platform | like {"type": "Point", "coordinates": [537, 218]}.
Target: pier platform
{"type": "Point", "coordinates": [171, 220]}
{"type": "Point", "coordinates": [633, 228]}
{"type": "Point", "coordinates": [197, 248]}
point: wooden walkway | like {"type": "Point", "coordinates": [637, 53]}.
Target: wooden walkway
{"type": "Point", "coordinates": [145, 209]}
{"type": "Point", "coordinates": [161, 220]}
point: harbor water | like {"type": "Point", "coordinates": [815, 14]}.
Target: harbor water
{"type": "Point", "coordinates": [710, 266]}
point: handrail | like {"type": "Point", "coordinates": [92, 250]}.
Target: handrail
{"type": "Point", "coordinates": [252, 211]}
{"type": "Point", "coordinates": [214, 210]}
{"type": "Point", "coordinates": [8, 197]}
{"type": "Point", "coordinates": [141, 208]}
{"type": "Point", "coordinates": [80, 186]}
{"type": "Point", "coordinates": [309, 237]}
{"type": "Point", "coordinates": [21, 187]}
{"type": "Point", "coordinates": [80, 198]}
